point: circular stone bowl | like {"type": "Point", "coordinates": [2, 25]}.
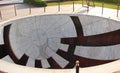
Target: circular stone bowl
{"type": "Point", "coordinates": [58, 40]}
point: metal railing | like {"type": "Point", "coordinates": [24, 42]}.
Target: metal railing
{"type": "Point", "coordinates": [30, 9]}
{"type": "Point", "coordinates": [88, 4]}
{"type": "Point", "coordinates": [118, 5]}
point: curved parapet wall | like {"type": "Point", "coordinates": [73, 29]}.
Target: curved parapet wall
{"type": "Point", "coordinates": [57, 41]}
{"type": "Point", "coordinates": [6, 67]}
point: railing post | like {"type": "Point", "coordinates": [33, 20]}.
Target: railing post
{"type": "Point", "coordinates": [93, 3]}
{"type": "Point", "coordinates": [30, 9]}
{"type": "Point", "coordinates": [44, 8]}
{"type": "Point", "coordinates": [77, 66]}
{"type": "Point", "coordinates": [0, 15]}
{"type": "Point", "coordinates": [88, 4]}
{"type": "Point", "coordinates": [82, 3]}
{"type": "Point", "coordinates": [15, 10]}
{"type": "Point", "coordinates": [102, 7]}
{"type": "Point", "coordinates": [117, 8]}
{"type": "Point", "coordinates": [73, 6]}
{"type": "Point", "coordinates": [59, 6]}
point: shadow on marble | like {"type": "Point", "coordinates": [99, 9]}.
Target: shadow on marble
{"type": "Point", "coordinates": [117, 72]}
{"type": "Point", "coordinates": [3, 72]}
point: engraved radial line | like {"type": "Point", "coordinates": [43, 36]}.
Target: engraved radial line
{"type": "Point", "coordinates": [23, 60]}
{"type": "Point", "coordinates": [67, 55]}
{"type": "Point", "coordinates": [38, 64]}
{"type": "Point", "coordinates": [78, 25]}
{"type": "Point", "coordinates": [53, 63]}
{"type": "Point", "coordinates": [70, 52]}
{"type": "Point", "coordinates": [69, 41]}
